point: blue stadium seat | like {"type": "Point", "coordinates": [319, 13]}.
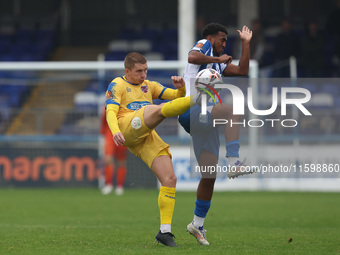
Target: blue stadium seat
{"type": "Point", "coordinates": [25, 34]}
{"type": "Point", "coordinates": [29, 57]}
{"type": "Point", "coordinates": [5, 74]}
{"type": "Point", "coordinates": [8, 58]}
{"type": "Point", "coordinates": [92, 86]}
{"type": "Point", "coordinates": [321, 101]}
{"type": "Point", "coordinates": [45, 34]}
{"type": "Point", "coordinates": [68, 130]}
{"type": "Point", "coordinates": [170, 56]}
{"type": "Point", "coordinates": [5, 110]}
{"type": "Point", "coordinates": [167, 48]}
{"type": "Point", "coordinates": [128, 34]}
{"type": "Point", "coordinates": [169, 35]}
{"type": "Point", "coordinates": [151, 34]}
{"type": "Point", "coordinates": [115, 55]}
{"type": "Point", "coordinates": [4, 45]}
{"type": "Point", "coordinates": [312, 87]}
{"type": "Point", "coordinates": [331, 88]}
{"type": "Point", "coordinates": [337, 103]}
{"type": "Point", "coordinates": [142, 46]}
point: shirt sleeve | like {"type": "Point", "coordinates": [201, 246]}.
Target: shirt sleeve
{"type": "Point", "coordinates": [111, 118]}
{"type": "Point", "coordinates": [202, 46]}
{"type": "Point", "coordinates": [161, 92]}
{"type": "Point", "coordinates": [170, 94]}
{"type": "Point", "coordinates": [113, 94]}
{"type": "Point", "coordinates": [113, 99]}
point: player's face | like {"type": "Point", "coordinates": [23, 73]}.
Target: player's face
{"type": "Point", "coordinates": [137, 74]}
{"type": "Point", "coordinates": [219, 42]}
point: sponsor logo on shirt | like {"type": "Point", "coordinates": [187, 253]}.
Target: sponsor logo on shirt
{"type": "Point", "coordinates": [134, 106]}
{"type": "Point", "coordinates": [136, 123]}
{"type": "Point", "coordinates": [199, 45]}
{"type": "Point", "coordinates": [109, 95]}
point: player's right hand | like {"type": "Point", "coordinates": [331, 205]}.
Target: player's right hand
{"type": "Point", "coordinates": [118, 138]}
{"type": "Point", "coordinates": [178, 81]}
{"type": "Point", "coordinates": [225, 59]}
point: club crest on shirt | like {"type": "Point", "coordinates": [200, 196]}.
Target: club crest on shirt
{"type": "Point", "coordinates": [145, 89]}
{"type": "Point", "coordinates": [199, 45]}
{"type": "Point", "coordinates": [128, 90]}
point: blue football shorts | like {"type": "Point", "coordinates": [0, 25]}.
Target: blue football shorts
{"type": "Point", "coordinates": [204, 135]}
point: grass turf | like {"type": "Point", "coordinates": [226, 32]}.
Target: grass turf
{"type": "Point", "coordinates": [82, 221]}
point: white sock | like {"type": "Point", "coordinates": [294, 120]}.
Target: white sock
{"type": "Point", "coordinates": [165, 228]}
{"type": "Point", "coordinates": [198, 221]}
{"type": "Point", "coordinates": [232, 160]}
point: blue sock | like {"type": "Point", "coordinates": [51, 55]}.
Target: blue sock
{"type": "Point", "coordinates": [202, 207]}
{"type": "Point", "coordinates": [232, 148]}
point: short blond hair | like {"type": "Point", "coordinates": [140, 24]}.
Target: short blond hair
{"type": "Point", "coordinates": [133, 58]}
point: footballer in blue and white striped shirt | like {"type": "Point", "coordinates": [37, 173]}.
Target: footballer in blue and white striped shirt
{"type": "Point", "coordinates": [208, 53]}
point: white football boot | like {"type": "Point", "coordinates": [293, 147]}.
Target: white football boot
{"type": "Point", "coordinates": [240, 168]}
{"type": "Point", "coordinates": [198, 233]}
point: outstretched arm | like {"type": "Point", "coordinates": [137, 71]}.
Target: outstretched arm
{"type": "Point", "coordinates": [243, 66]}
{"type": "Point", "coordinates": [171, 94]}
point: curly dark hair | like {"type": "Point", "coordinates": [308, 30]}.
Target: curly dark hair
{"type": "Point", "coordinates": [213, 29]}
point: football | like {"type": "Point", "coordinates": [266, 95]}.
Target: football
{"type": "Point", "coordinates": [206, 80]}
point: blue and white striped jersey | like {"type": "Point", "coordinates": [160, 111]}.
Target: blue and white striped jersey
{"type": "Point", "coordinates": [191, 70]}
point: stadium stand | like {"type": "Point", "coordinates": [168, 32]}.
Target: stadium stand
{"type": "Point", "coordinates": [157, 40]}
{"type": "Point", "coordinates": [20, 43]}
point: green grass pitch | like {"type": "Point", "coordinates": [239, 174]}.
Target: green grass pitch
{"type": "Point", "coordinates": [82, 221]}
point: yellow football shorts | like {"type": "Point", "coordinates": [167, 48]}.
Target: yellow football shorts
{"type": "Point", "coordinates": [142, 141]}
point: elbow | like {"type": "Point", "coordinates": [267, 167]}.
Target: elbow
{"type": "Point", "coordinates": [244, 73]}
{"type": "Point", "coordinates": [191, 59]}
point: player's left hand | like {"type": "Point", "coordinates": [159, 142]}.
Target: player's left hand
{"type": "Point", "coordinates": [245, 34]}
{"type": "Point", "coordinates": [178, 81]}
{"type": "Point", "coordinates": [118, 138]}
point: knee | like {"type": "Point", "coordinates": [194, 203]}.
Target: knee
{"type": "Point", "coordinates": [158, 111]}
{"type": "Point", "coordinates": [170, 181]}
